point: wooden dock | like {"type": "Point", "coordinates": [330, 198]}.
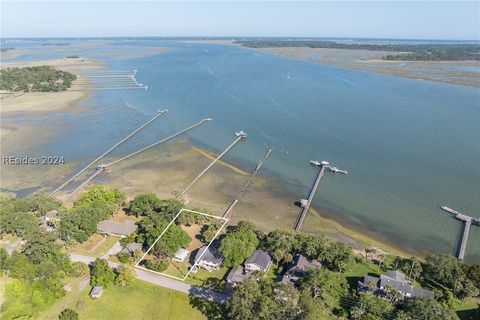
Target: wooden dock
{"type": "Point", "coordinates": [467, 222]}
{"type": "Point", "coordinates": [105, 167]}
{"type": "Point", "coordinates": [237, 139]}
{"type": "Point", "coordinates": [306, 206]}
{"type": "Point", "coordinates": [160, 113]}
{"type": "Point", "coordinates": [246, 185]}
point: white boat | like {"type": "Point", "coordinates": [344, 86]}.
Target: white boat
{"type": "Point", "coordinates": [241, 134]}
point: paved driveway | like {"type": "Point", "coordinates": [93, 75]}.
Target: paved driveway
{"type": "Point", "coordinates": [166, 282]}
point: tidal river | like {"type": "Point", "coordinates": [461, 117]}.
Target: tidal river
{"type": "Point", "coordinates": [410, 146]}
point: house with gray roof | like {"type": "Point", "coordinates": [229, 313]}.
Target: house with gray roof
{"type": "Point", "coordinates": [258, 261]}
{"type": "Point", "coordinates": [131, 248]}
{"type": "Point", "coordinates": [115, 228]}
{"type": "Point", "coordinates": [208, 258]}
{"type": "Point", "coordinates": [299, 266]}
{"type": "Point", "coordinates": [394, 279]}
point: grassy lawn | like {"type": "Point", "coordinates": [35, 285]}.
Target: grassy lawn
{"type": "Point", "coordinates": [78, 286]}
{"type": "Point", "coordinates": [202, 275]}
{"type": "Point", "coordinates": [90, 247]}
{"type": "Point", "coordinates": [139, 301]}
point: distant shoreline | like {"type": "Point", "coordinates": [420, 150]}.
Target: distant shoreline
{"type": "Point", "coordinates": [451, 72]}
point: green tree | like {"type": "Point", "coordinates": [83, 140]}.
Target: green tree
{"type": "Point", "coordinates": [263, 300]}
{"type": "Point", "coordinates": [124, 257]}
{"type": "Point", "coordinates": [310, 308]}
{"type": "Point", "coordinates": [238, 245]}
{"type": "Point", "coordinates": [101, 195]}
{"type": "Point", "coordinates": [157, 264]}
{"type": "Point", "coordinates": [208, 233]}
{"type": "Point", "coordinates": [128, 239]}
{"type": "Point", "coordinates": [443, 268]}
{"type": "Point", "coordinates": [281, 245]}
{"type": "Point", "coordinates": [151, 227]}
{"type": "Point", "coordinates": [340, 257]}
{"type": "Point", "coordinates": [245, 301]}
{"type": "Point", "coordinates": [370, 306]}
{"type": "Point", "coordinates": [316, 281]}
{"type": "Point", "coordinates": [3, 259]}
{"type": "Point", "coordinates": [68, 314]}
{"type": "Point", "coordinates": [101, 273]}
{"type": "Point", "coordinates": [426, 308]}
{"type": "Point", "coordinates": [125, 276]}
{"type": "Point", "coordinates": [144, 205]}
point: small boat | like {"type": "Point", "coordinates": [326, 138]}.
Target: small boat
{"type": "Point", "coordinates": [241, 134]}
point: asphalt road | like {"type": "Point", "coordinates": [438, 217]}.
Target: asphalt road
{"type": "Point", "coordinates": [166, 282]}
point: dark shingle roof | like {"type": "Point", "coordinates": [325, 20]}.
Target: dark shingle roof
{"type": "Point", "coordinates": [301, 263]}
{"type": "Point", "coordinates": [211, 255]}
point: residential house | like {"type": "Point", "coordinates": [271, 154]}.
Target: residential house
{"type": "Point", "coordinates": [392, 280]}
{"type": "Point", "coordinates": [131, 248]}
{"type": "Point", "coordinates": [115, 228]}
{"type": "Point", "coordinates": [258, 261]}
{"type": "Point", "coordinates": [208, 258]}
{"type": "Point", "coordinates": [299, 266]}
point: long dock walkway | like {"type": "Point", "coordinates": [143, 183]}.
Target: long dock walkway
{"type": "Point", "coordinates": [246, 185]}
{"type": "Point", "coordinates": [237, 139]}
{"type": "Point", "coordinates": [467, 222]}
{"type": "Point", "coordinates": [305, 208]}
{"type": "Point", "coordinates": [159, 142]}
{"type": "Point", "coordinates": [463, 243]}
{"type": "Point", "coordinates": [84, 183]}
{"type": "Point", "coordinates": [104, 167]}
{"type": "Point", "coordinates": [160, 113]}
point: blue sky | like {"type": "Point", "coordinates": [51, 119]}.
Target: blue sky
{"type": "Point", "coordinates": [380, 19]}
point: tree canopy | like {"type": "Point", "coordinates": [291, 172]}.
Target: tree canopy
{"type": "Point", "coordinates": [238, 245]}
{"type": "Point", "coordinates": [38, 78]}
{"type": "Point", "coordinates": [101, 274]}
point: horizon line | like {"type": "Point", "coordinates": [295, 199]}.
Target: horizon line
{"type": "Point", "coordinates": [234, 37]}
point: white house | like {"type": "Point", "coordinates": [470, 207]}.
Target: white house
{"type": "Point", "coordinates": [208, 258]}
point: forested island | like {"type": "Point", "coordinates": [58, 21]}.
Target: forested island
{"type": "Point", "coordinates": [407, 52]}
{"type": "Point", "coordinates": [31, 79]}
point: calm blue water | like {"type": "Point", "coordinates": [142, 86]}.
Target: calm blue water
{"type": "Point", "coordinates": [410, 146]}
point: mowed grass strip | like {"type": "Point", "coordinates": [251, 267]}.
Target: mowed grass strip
{"type": "Point", "coordinates": [139, 301]}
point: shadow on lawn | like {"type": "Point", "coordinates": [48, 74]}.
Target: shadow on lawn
{"type": "Point", "coordinates": [213, 311]}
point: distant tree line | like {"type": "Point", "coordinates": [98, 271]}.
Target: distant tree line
{"type": "Point", "coordinates": [409, 52]}
{"type": "Point", "coordinates": [39, 78]}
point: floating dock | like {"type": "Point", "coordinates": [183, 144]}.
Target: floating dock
{"type": "Point", "coordinates": [467, 222]}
